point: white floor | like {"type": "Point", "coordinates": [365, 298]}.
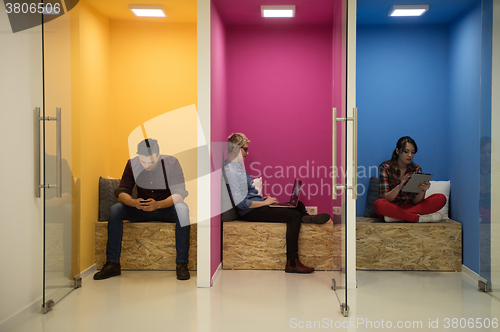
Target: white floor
{"type": "Point", "coordinates": [269, 301]}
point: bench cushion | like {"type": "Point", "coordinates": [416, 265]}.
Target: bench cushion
{"type": "Point", "coordinates": [440, 187]}
{"type": "Point", "coordinates": [107, 198]}
{"type": "Point", "coordinates": [372, 196]}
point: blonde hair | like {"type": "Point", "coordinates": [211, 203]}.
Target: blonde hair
{"type": "Point", "coordinates": [238, 139]}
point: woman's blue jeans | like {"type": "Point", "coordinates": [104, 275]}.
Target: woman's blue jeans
{"type": "Point", "coordinates": [178, 214]}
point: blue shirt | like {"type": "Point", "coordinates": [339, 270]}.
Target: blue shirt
{"type": "Point", "coordinates": [241, 187]}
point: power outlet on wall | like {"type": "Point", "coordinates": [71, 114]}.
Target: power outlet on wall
{"type": "Point", "coordinates": [312, 210]}
{"type": "Point", "coordinates": [337, 210]}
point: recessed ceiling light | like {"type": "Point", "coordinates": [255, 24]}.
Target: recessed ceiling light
{"type": "Point", "coordinates": [277, 11]}
{"type": "Point", "coordinates": [408, 10]}
{"type": "Point", "coordinates": [147, 10]}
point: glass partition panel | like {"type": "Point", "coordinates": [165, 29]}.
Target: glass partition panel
{"type": "Point", "coordinates": [489, 190]}
{"type": "Point", "coordinates": [341, 121]}
{"type": "Point", "coordinates": [58, 178]}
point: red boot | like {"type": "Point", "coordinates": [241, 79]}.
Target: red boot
{"type": "Point", "coordinates": [299, 267]}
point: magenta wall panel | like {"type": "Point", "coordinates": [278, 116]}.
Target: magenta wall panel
{"type": "Point", "coordinates": [279, 93]}
{"type": "Point", "coordinates": [218, 128]}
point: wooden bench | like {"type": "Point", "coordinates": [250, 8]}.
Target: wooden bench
{"type": "Point", "coordinates": [262, 246]}
{"type": "Point", "coordinates": [379, 245]}
{"type": "Point", "coordinates": [145, 246]}
{"type": "Point", "coordinates": [408, 246]}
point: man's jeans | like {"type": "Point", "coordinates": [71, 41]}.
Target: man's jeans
{"type": "Point", "coordinates": [120, 212]}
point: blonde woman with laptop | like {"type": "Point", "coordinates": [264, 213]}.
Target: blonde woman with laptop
{"type": "Point", "coordinates": [253, 207]}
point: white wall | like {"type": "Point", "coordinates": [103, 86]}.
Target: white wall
{"type": "Point", "coordinates": [351, 104]}
{"type": "Point", "coordinates": [204, 221]}
{"type": "Point", "coordinates": [21, 235]}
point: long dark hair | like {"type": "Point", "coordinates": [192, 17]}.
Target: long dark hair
{"type": "Point", "coordinates": [400, 145]}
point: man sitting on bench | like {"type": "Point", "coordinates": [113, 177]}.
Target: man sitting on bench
{"type": "Point", "coordinates": [161, 191]}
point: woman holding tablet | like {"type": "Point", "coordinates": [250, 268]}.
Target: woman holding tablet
{"type": "Point", "coordinates": [394, 203]}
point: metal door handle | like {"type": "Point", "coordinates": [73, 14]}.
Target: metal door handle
{"type": "Point", "coordinates": [58, 154]}
{"type": "Point", "coordinates": [36, 143]}
{"type": "Point", "coordinates": [334, 143]}
{"type": "Point", "coordinates": [354, 119]}
{"type": "Point", "coordinates": [355, 153]}
{"type": "Point", "coordinates": [38, 183]}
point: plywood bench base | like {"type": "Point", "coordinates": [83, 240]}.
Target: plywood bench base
{"type": "Point", "coordinates": [408, 246]}
{"type": "Point", "coordinates": [262, 246]}
{"type": "Point", "coordinates": [145, 246]}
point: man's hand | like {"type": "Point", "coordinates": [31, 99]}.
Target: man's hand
{"type": "Point", "coordinates": [150, 205]}
{"type": "Point", "coordinates": [138, 204]}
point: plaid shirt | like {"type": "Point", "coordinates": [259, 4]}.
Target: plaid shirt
{"type": "Point", "coordinates": [390, 177]}
{"type": "Point", "coordinates": [152, 184]}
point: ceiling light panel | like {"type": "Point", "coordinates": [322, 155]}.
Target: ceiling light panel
{"type": "Point", "coordinates": [147, 10]}
{"type": "Point", "coordinates": [278, 11]}
{"type": "Point", "coordinates": [408, 10]}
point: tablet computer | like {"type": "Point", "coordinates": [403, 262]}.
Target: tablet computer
{"type": "Point", "coordinates": [416, 179]}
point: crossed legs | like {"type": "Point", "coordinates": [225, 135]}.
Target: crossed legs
{"type": "Point", "coordinates": [409, 212]}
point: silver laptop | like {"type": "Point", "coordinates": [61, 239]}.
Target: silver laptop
{"type": "Point", "coordinates": [294, 198]}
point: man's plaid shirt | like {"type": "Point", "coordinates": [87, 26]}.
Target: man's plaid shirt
{"type": "Point", "coordinates": [390, 176]}
{"type": "Point", "coordinates": [152, 184]}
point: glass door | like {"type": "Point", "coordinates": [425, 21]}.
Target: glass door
{"type": "Point", "coordinates": [489, 158]}
{"type": "Point", "coordinates": [495, 157]}
{"type": "Point", "coordinates": [57, 156]}
{"type": "Point", "coordinates": [344, 143]}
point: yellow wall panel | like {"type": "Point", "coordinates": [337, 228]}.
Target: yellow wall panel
{"type": "Point", "coordinates": [126, 73]}
{"type": "Point", "coordinates": [75, 141]}
{"type": "Point", "coordinates": [153, 72]}
{"type": "Point", "coordinates": [94, 91]}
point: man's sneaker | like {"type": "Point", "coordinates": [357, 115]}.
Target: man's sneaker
{"type": "Point", "coordinates": [108, 270]}
{"type": "Point", "coordinates": [182, 271]}
{"type": "Point", "coordinates": [389, 219]}
{"type": "Point", "coordinates": [432, 217]}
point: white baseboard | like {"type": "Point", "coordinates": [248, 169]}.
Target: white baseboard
{"type": "Point", "coordinates": [88, 272]}
{"type": "Point", "coordinates": [217, 274]}
{"type": "Point", "coordinates": [35, 308]}
{"type": "Point", "coordinates": [473, 276]}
